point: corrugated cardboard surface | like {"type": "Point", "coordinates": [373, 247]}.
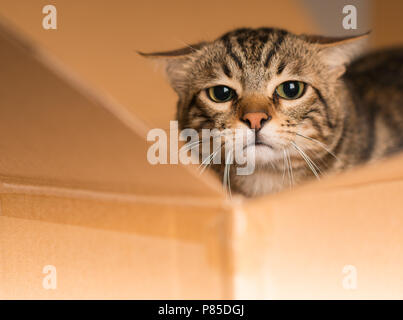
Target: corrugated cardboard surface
{"type": "Point", "coordinates": [57, 132]}
{"type": "Point", "coordinates": [78, 193]}
{"type": "Point", "coordinates": [307, 236]}
{"type": "Point", "coordinates": [291, 245]}
{"type": "Point", "coordinates": [113, 249]}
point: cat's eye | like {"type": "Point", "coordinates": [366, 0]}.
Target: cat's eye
{"type": "Point", "coordinates": [291, 90]}
{"type": "Point", "coordinates": [220, 94]}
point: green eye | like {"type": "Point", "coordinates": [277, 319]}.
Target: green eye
{"type": "Point", "coordinates": [291, 90]}
{"type": "Point", "coordinates": [220, 94]}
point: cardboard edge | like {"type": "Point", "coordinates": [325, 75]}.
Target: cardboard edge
{"type": "Point", "coordinates": [17, 188]}
{"type": "Point", "coordinates": [101, 98]}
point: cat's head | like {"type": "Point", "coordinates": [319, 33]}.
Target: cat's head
{"type": "Point", "coordinates": [280, 84]}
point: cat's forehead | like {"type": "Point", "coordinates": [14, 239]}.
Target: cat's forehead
{"type": "Point", "coordinates": [252, 55]}
{"type": "Point", "coordinates": [251, 43]}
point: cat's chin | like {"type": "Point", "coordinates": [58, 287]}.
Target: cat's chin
{"type": "Point", "coordinates": [265, 153]}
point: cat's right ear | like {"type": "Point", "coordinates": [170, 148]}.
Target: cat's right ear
{"type": "Point", "coordinates": [337, 53]}
{"type": "Point", "coordinates": [176, 63]}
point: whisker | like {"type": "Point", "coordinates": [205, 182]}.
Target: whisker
{"type": "Point", "coordinates": [284, 168]}
{"type": "Point", "coordinates": [308, 160]}
{"type": "Point", "coordinates": [319, 158]}
{"type": "Point", "coordinates": [192, 145]}
{"type": "Point", "coordinates": [290, 169]}
{"type": "Point", "coordinates": [186, 44]}
{"type": "Point", "coordinates": [226, 177]}
{"type": "Point", "coordinates": [319, 143]}
{"type": "Point", "coordinates": [207, 161]}
{"type": "Point", "coordinates": [228, 174]}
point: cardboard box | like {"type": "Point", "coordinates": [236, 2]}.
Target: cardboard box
{"type": "Point", "coordinates": [79, 201]}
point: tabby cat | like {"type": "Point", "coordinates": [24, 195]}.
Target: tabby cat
{"type": "Point", "coordinates": [313, 104]}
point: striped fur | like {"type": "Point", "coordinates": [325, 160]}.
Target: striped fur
{"type": "Point", "coordinates": [351, 112]}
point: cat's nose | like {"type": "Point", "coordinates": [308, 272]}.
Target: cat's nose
{"type": "Point", "coordinates": [255, 120]}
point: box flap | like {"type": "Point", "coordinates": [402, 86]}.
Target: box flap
{"type": "Point", "coordinates": [319, 235]}
{"type": "Point", "coordinates": [57, 132]}
{"type": "Point", "coordinates": [99, 40]}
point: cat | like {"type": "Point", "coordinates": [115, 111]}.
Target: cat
{"type": "Point", "coordinates": [314, 104]}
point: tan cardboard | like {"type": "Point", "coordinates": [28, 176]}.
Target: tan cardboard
{"type": "Point", "coordinates": [78, 194]}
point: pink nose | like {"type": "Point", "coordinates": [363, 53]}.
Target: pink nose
{"type": "Point", "coordinates": [255, 120]}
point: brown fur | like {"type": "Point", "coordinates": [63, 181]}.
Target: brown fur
{"type": "Point", "coordinates": [351, 112]}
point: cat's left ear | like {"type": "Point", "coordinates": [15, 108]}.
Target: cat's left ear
{"type": "Point", "coordinates": [337, 53]}
{"type": "Point", "coordinates": [175, 63]}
